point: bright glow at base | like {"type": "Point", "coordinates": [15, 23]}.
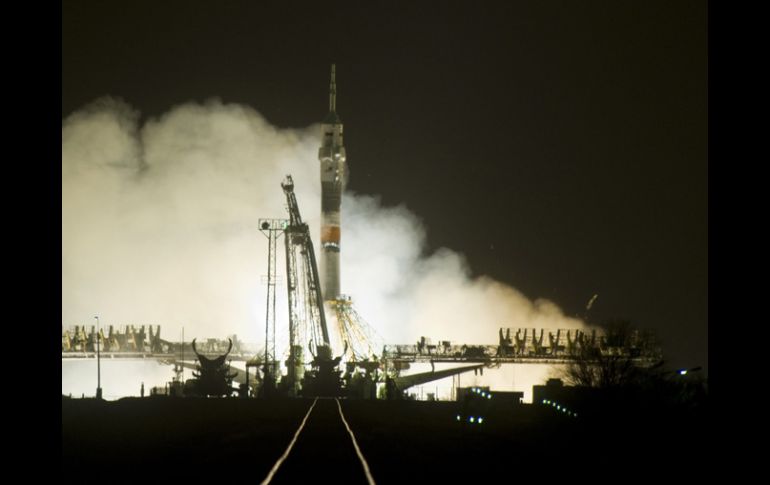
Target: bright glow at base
{"type": "Point", "coordinates": [481, 420]}
{"type": "Point", "coordinates": [510, 378]}
{"type": "Point", "coordinates": [471, 419]}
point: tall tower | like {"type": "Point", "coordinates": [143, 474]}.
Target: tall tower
{"type": "Point", "coordinates": [333, 179]}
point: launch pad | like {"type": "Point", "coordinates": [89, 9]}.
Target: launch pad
{"type": "Point", "coordinates": [332, 350]}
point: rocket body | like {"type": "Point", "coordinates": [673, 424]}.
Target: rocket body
{"type": "Point", "coordinates": [331, 156]}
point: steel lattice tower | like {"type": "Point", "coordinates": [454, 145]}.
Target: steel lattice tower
{"type": "Point", "coordinates": [272, 229]}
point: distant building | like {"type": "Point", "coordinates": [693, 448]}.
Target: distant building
{"type": "Point", "coordinates": [507, 397]}
{"type": "Point", "coordinates": [575, 399]}
{"type": "Point", "coordinates": [464, 392]}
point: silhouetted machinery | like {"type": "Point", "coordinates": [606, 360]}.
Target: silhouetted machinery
{"type": "Point", "coordinates": [306, 311]}
{"type": "Point", "coordinates": [213, 377]}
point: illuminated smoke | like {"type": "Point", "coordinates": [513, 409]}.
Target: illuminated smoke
{"type": "Point", "coordinates": [159, 226]}
{"type": "Point", "coordinates": [160, 221]}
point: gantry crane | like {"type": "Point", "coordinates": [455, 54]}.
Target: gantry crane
{"type": "Point", "coordinates": [306, 310]}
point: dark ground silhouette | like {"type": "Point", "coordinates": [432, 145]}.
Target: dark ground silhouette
{"type": "Point", "coordinates": [164, 439]}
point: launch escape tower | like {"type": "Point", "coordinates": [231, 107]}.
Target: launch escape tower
{"type": "Point", "coordinates": [331, 155]}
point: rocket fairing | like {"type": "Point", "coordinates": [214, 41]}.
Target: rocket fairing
{"type": "Point", "coordinates": [331, 155]}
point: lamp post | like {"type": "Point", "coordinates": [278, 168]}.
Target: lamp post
{"type": "Point", "coordinates": [98, 363]}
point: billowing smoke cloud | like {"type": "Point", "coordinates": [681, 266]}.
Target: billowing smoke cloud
{"type": "Point", "coordinates": [160, 221]}
{"type": "Point", "coordinates": [160, 226]}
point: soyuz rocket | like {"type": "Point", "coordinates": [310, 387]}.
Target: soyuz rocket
{"type": "Point", "coordinates": [331, 155]}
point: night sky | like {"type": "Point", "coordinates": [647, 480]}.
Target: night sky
{"type": "Point", "coordinates": [560, 146]}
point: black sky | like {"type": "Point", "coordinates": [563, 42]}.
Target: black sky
{"type": "Point", "coordinates": [560, 145]}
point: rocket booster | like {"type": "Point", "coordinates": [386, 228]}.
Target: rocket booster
{"type": "Point", "coordinates": [331, 155]}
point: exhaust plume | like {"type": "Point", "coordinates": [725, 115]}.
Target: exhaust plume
{"type": "Point", "coordinates": [159, 226]}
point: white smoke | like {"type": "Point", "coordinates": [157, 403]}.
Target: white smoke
{"type": "Point", "coordinates": [159, 222]}
{"type": "Point", "coordinates": [406, 294]}
{"type": "Point", "coordinates": [160, 226]}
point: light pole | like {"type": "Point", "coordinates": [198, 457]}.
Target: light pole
{"type": "Point", "coordinates": [98, 363]}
